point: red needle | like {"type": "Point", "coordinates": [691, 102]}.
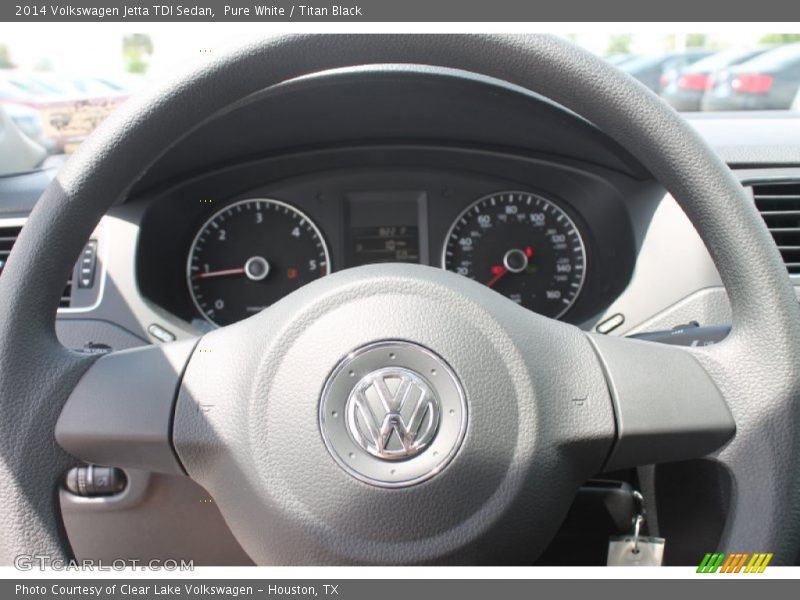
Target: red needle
{"type": "Point", "coordinates": [498, 273]}
{"type": "Point", "coordinates": [222, 273]}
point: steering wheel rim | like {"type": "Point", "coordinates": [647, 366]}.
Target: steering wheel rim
{"type": "Point", "coordinates": [754, 369]}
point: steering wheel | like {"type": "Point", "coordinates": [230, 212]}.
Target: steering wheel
{"type": "Point", "coordinates": [498, 414]}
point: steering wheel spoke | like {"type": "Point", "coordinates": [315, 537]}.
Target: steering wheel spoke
{"type": "Point", "coordinates": [120, 413]}
{"type": "Point", "coordinates": [667, 406]}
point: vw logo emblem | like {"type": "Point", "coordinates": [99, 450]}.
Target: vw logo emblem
{"type": "Point", "coordinates": [392, 413]}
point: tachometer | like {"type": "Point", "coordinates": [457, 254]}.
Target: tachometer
{"type": "Point", "coordinates": [521, 245]}
{"type": "Point", "coordinates": [251, 254]}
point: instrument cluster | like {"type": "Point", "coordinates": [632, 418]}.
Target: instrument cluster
{"type": "Point", "coordinates": [255, 251]}
{"type": "Point", "coordinates": [537, 245]}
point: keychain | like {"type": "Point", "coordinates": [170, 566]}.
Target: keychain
{"type": "Point", "coordinates": [636, 550]}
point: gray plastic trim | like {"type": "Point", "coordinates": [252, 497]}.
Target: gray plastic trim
{"type": "Point", "coordinates": [131, 428]}
{"type": "Point", "coordinates": [673, 263]}
{"type": "Point", "coordinates": [667, 407]}
{"type": "Point", "coordinates": [123, 302]}
{"type": "Point", "coordinates": [156, 517]}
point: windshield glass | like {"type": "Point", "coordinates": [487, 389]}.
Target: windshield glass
{"type": "Point", "coordinates": [786, 56]}
{"type": "Point", "coordinates": [55, 89]}
{"type": "Point", "coordinates": [723, 59]}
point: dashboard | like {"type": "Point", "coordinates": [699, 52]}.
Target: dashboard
{"type": "Point", "coordinates": [554, 240]}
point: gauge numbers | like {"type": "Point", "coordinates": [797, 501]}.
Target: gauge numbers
{"type": "Point", "coordinates": [521, 245]}
{"type": "Point", "coordinates": [250, 254]}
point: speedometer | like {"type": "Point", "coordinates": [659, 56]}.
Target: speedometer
{"type": "Point", "coordinates": [521, 245]}
{"type": "Point", "coordinates": [251, 254]}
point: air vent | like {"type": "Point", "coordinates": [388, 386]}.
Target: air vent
{"type": "Point", "coordinates": [779, 205]}
{"type": "Point", "coordinates": [66, 295]}
{"type": "Point", "coordinates": [8, 235]}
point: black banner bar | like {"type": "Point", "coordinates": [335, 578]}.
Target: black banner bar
{"type": "Point", "coordinates": [394, 589]}
{"type": "Point", "coordinates": [355, 11]}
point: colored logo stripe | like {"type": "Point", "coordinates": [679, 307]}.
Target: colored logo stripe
{"type": "Point", "coordinates": [711, 562]}
{"type": "Point", "coordinates": [758, 563]}
{"type": "Point", "coordinates": [733, 563]}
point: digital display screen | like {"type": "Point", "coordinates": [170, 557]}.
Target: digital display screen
{"type": "Point", "coordinates": [385, 243]}
{"type": "Point", "coordinates": [386, 226]}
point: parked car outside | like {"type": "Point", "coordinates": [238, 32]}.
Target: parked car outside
{"type": "Point", "coordinates": [18, 152]}
{"type": "Point", "coordinates": [655, 71]}
{"type": "Point", "coordinates": [685, 91]}
{"type": "Point", "coordinates": [58, 111]}
{"type": "Point", "coordinates": [27, 119]}
{"type": "Point", "coordinates": [769, 81]}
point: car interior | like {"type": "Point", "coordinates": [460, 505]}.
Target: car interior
{"type": "Point", "coordinates": [217, 313]}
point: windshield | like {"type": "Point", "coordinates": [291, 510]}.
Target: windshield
{"type": "Point", "coordinates": [54, 90]}
{"type": "Point", "coordinates": [723, 59]}
{"type": "Point", "coordinates": [786, 56]}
